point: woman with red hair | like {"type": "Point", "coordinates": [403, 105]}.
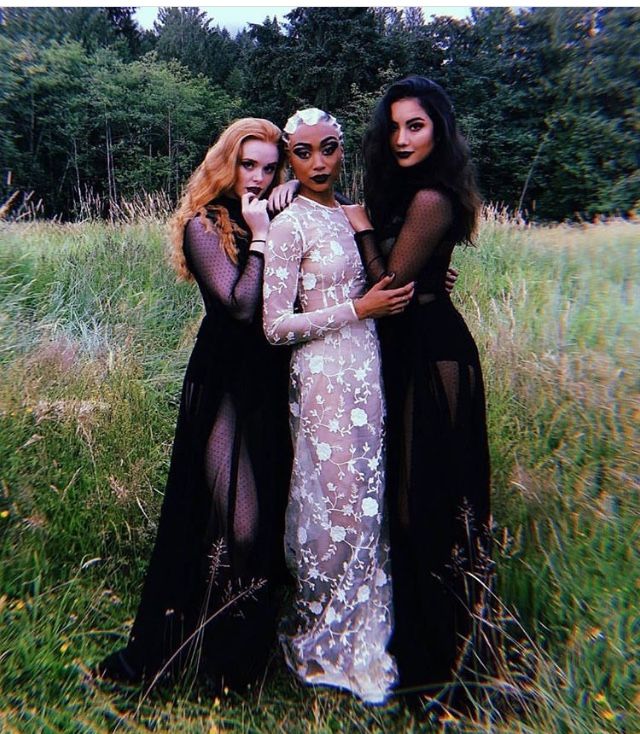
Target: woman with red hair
{"type": "Point", "coordinates": [208, 602]}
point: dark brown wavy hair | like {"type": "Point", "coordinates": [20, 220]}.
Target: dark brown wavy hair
{"type": "Point", "coordinates": [389, 189]}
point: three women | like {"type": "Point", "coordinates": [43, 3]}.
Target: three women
{"type": "Point", "coordinates": [422, 198]}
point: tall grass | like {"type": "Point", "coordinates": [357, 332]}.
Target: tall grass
{"type": "Point", "coordinates": [94, 337]}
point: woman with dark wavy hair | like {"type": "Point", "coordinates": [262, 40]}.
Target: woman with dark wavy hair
{"type": "Point", "coordinates": [421, 194]}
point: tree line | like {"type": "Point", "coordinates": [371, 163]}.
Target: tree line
{"type": "Point", "coordinates": [94, 108]}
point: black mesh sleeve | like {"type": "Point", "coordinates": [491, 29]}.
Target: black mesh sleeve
{"type": "Point", "coordinates": [238, 290]}
{"type": "Point", "coordinates": [426, 223]}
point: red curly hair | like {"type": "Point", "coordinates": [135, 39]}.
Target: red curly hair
{"type": "Point", "coordinates": [216, 175]}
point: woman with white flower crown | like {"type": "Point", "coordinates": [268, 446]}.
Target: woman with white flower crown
{"type": "Point", "coordinates": [315, 299]}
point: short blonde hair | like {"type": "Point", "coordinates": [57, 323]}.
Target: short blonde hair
{"type": "Point", "coordinates": [309, 116]}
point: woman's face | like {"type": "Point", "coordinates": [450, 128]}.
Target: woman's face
{"type": "Point", "coordinates": [256, 167]}
{"type": "Point", "coordinates": [411, 138]}
{"type": "Point", "coordinates": [315, 156]}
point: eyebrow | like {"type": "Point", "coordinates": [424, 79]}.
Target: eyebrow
{"type": "Point", "coordinates": [248, 159]}
{"type": "Point", "coordinates": [324, 141]}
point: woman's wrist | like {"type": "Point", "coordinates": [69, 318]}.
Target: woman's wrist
{"type": "Point", "coordinates": [257, 245]}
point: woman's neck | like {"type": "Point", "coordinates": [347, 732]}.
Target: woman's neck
{"type": "Point", "coordinates": [326, 198]}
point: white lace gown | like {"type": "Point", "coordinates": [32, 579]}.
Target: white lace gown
{"type": "Point", "coordinates": [335, 540]}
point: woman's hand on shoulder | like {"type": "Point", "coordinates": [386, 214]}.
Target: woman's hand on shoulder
{"type": "Point", "coordinates": [357, 216]}
{"type": "Point", "coordinates": [380, 301]}
{"type": "Point", "coordinates": [282, 196]}
{"type": "Point", "coordinates": [254, 211]}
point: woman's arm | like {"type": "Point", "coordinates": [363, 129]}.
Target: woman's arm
{"type": "Point", "coordinates": [237, 290]}
{"type": "Point", "coordinates": [283, 257]}
{"type": "Point", "coordinates": [427, 220]}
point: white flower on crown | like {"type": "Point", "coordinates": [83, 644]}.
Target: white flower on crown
{"type": "Point", "coordinates": [309, 116]}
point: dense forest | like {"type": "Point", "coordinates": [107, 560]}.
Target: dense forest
{"type": "Point", "coordinates": [95, 110]}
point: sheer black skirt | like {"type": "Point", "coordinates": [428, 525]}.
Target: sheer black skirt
{"type": "Point", "coordinates": [210, 598]}
{"type": "Point", "coordinates": [437, 487]}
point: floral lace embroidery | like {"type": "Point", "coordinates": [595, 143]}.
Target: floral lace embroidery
{"type": "Point", "coordinates": [335, 539]}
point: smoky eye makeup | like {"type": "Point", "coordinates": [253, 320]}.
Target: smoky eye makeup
{"type": "Point", "coordinates": [329, 146]}
{"type": "Point", "coordinates": [301, 150]}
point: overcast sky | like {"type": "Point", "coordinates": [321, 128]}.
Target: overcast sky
{"type": "Point", "coordinates": [235, 18]}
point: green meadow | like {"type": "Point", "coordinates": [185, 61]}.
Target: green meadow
{"type": "Point", "coordinates": [94, 339]}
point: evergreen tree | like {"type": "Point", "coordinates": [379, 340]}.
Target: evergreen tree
{"type": "Point", "coordinates": [548, 97]}
{"type": "Point", "coordinates": [184, 34]}
{"type": "Point", "coordinates": [328, 50]}
{"type": "Point", "coordinates": [92, 27]}
{"type": "Point", "coordinates": [265, 85]}
{"type": "Point", "coordinates": [593, 153]}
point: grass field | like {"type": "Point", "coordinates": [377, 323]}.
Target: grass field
{"type": "Point", "coordinates": [94, 338]}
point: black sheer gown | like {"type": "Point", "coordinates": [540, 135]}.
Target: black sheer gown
{"type": "Point", "coordinates": [220, 532]}
{"type": "Point", "coordinates": [438, 458]}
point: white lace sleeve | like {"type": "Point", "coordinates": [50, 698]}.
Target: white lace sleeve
{"type": "Point", "coordinates": [287, 279]}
